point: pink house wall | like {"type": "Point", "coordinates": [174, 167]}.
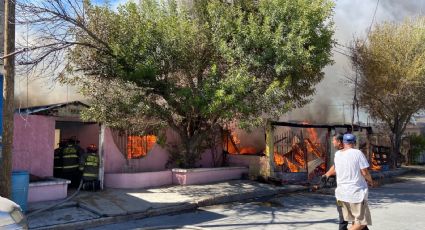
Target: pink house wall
{"type": "Point", "coordinates": [155, 160]}
{"type": "Point", "coordinates": [115, 161]}
{"type": "Point", "coordinates": [138, 180]}
{"type": "Point", "coordinates": [33, 144]}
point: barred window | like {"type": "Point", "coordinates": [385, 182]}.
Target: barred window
{"type": "Point", "coordinates": [139, 146]}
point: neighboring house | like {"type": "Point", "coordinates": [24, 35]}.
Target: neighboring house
{"type": "Point", "coordinates": [417, 126]}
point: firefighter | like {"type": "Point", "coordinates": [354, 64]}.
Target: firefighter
{"type": "Point", "coordinates": [89, 166]}
{"type": "Point", "coordinates": [58, 159]}
{"type": "Point", "coordinates": [71, 154]}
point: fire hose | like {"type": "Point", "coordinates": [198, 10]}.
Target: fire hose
{"type": "Point", "coordinates": [57, 204]}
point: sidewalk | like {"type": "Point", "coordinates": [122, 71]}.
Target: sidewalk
{"type": "Point", "coordinates": [89, 209]}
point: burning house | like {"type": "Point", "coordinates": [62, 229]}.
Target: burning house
{"type": "Point", "coordinates": [301, 151]}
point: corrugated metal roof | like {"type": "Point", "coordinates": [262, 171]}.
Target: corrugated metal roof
{"type": "Point", "coordinates": [48, 109]}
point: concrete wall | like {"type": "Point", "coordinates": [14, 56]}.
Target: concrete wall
{"type": "Point", "coordinates": [115, 162]}
{"type": "Point", "coordinates": [253, 162]}
{"type": "Point", "coordinates": [54, 189]}
{"type": "Point", "coordinates": [207, 175]}
{"type": "Point", "coordinates": [155, 160]}
{"type": "Point", "coordinates": [33, 144]}
{"type": "Point", "coordinates": [138, 180]}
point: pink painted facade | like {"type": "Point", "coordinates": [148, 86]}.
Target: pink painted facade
{"type": "Point", "coordinates": [207, 175]}
{"type": "Point", "coordinates": [138, 180]}
{"type": "Point", "coordinates": [33, 144]}
{"type": "Point", "coordinates": [115, 161]}
{"type": "Point", "coordinates": [155, 160]}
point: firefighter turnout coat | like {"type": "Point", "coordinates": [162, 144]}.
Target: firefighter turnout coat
{"type": "Point", "coordinates": [70, 158]}
{"type": "Point", "coordinates": [89, 165]}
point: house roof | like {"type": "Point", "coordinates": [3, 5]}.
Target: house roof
{"type": "Point", "coordinates": [325, 126]}
{"type": "Point", "coordinates": [50, 110]}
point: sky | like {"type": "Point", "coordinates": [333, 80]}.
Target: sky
{"type": "Point", "coordinates": [333, 97]}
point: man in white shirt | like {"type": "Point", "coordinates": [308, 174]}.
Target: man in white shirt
{"type": "Point", "coordinates": [352, 190]}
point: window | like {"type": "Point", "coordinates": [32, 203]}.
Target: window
{"type": "Point", "coordinates": [139, 146]}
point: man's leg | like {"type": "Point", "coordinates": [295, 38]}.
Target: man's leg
{"type": "Point", "coordinates": [362, 216]}
{"type": "Point", "coordinates": [343, 225]}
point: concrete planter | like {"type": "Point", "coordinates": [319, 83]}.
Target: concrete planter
{"type": "Point", "coordinates": [138, 180]}
{"type": "Point", "coordinates": [207, 175]}
{"type": "Point", "coordinates": [52, 189]}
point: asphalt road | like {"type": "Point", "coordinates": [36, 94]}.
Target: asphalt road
{"type": "Point", "coordinates": [398, 206]}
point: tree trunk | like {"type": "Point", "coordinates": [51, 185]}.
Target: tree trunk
{"type": "Point", "coordinates": [395, 142]}
{"type": "Point", "coordinates": [8, 96]}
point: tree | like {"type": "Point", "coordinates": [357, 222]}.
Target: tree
{"type": "Point", "coordinates": [197, 67]}
{"type": "Point", "coordinates": [392, 75]}
{"type": "Point", "coordinates": [194, 67]}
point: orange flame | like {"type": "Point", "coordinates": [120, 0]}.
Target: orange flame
{"type": "Point", "coordinates": [303, 151]}
{"type": "Point", "coordinates": [139, 146]}
{"type": "Point", "coordinates": [232, 145]}
{"type": "Point", "coordinates": [278, 159]}
{"type": "Point", "coordinates": [375, 166]}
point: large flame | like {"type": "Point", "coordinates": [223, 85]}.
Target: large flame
{"type": "Point", "coordinates": [301, 150]}
{"type": "Point", "coordinates": [294, 159]}
{"type": "Point", "coordinates": [232, 145]}
{"type": "Point", "coordinates": [139, 146]}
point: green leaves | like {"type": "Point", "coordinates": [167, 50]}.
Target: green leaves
{"type": "Point", "coordinates": [207, 63]}
{"type": "Point", "coordinates": [391, 65]}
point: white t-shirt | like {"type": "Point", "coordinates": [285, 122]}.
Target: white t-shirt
{"type": "Point", "coordinates": [351, 185]}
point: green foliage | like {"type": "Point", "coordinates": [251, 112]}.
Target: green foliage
{"type": "Point", "coordinates": [391, 63]}
{"type": "Point", "coordinates": [417, 146]}
{"type": "Point", "coordinates": [197, 66]}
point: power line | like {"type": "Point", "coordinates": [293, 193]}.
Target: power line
{"type": "Point", "coordinates": [373, 18]}
{"type": "Point", "coordinates": [340, 52]}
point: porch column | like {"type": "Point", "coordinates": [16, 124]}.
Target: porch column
{"type": "Point", "coordinates": [101, 156]}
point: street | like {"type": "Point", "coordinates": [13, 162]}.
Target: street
{"type": "Point", "coordinates": [393, 206]}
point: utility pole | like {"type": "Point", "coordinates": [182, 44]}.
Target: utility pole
{"type": "Point", "coordinates": [8, 97]}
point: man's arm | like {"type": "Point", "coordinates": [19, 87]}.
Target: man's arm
{"type": "Point", "coordinates": [368, 177]}
{"type": "Point", "coordinates": [331, 171]}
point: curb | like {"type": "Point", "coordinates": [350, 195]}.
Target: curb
{"type": "Point", "coordinates": [173, 209]}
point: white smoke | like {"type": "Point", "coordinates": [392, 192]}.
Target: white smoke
{"type": "Point", "coordinates": [352, 19]}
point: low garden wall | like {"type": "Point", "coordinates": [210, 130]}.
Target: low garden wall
{"type": "Point", "coordinates": [138, 180]}
{"type": "Point", "coordinates": [174, 176]}
{"type": "Point", "coordinates": [207, 175]}
{"type": "Point", "coordinates": [52, 189]}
